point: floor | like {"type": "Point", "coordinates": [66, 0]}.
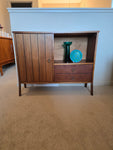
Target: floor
{"type": "Point", "coordinates": [54, 118]}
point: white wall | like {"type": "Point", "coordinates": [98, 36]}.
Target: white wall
{"type": "Point", "coordinates": [72, 20]}
{"type": "Point", "coordinates": [112, 4]}
{"type": "Point", "coordinates": [4, 4]}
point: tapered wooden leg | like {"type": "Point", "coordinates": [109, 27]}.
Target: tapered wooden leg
{"type": "Point", "coordinates": [1, 71]}
{"type": "Point", "coordinates": [85, 85]}
{"type": "Point", "coordinates": [24, 85]}
{"type": "Point", "coordinates": [92, 88]}
{"type": "Point", "coordinates": [19, 89]}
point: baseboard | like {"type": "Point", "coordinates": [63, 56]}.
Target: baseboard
{"type": "Point", "coordinates": [105, 83]}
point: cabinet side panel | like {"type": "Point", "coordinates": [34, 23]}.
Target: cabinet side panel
{"type": "Point", "coordinates": [42, 57]}
{"type": "Point", "coordinates": [91, 48]}
{"type": "Point", "coordinates": [19, 47]}
{"type": "Point", "coordinates": [28, 57]}
{"type": "Point", "coordinates": [35, 57]}
{"type": "Point", "coordinates": [49, 56]}
{"type": "Point", "coordinates": [11, 49]}
{"type": "Point", "coordinates": [95, 53]}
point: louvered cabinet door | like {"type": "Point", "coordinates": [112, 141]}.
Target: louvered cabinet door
{"type": "Point", "coordinates": [31, 57]}
{"type": "Point", "coordinates": [27, 57]}
{"type": "Point", "coordinates": [34, 53]}
{"type": "Point", "coordinates": [20, 57]}
{"type": "Point", "coordinates": [35, 57]}
{"type": "Point", "coordinates": [45, 46]}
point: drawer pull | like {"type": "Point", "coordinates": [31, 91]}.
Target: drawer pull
{"type": "Point", "coordinates": [49, 60]}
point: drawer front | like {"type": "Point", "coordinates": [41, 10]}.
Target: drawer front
{"type": "Point", "coordinates": [73, 77]}
{"type": "Point", "coordinates": [70, 69]}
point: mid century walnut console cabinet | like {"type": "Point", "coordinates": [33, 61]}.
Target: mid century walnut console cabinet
{"type": "Point", "coordinates": [40, 57]}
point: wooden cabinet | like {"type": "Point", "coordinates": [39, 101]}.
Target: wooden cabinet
{"type": "Point", "coordinates": [6, 52]}
{"type": "Point", "coordinates": [40, 57]}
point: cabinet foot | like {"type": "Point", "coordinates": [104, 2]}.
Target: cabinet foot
{"type": "Point", "coordinates": [19, 89]}
{"type": "Point", "coordinates": [85, 85]}
{"type": "Point", "coordinates": [24, 85]}
{"type": "Point", "coordinates": [1, 71]}
{"type": "Point", "coordinates": [92, 88]}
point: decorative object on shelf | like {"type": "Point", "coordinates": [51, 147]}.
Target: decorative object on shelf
{"type": "Point", "coordinates": [76, 56]}
{"type": "Point", "coordinates": [1, 30]}
{"type": "Point", "coordinates": [67, 51]}
{"type": "Point", "coordinates": [3, 33]}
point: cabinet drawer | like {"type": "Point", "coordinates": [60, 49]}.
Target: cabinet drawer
{"type": "Point", "coordinates": [70, 69]}
{"type": "Point", "coordinates": [73, 77]}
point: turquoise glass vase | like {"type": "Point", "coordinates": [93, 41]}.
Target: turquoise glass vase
{"type": "Point", "coordinates": [67, 51]}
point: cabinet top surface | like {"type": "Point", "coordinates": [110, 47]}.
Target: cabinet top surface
{"type": "Point", "coordinates": [8, 38]}
{"type": "Point", "coordinates": [56, 33]}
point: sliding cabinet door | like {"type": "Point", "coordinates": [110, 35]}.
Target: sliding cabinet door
{"type": "Point", "coordinates": [49, 44]}
{"type": "Point", "coordinates": [45, 46]}
{"type": "Point", "coordinates": [34, 57]}
{"type": "Point", "coordinates": [31, 57]}
{"type": "Point", "coordinates": [20, 56]}
{"type": "Point", "coordinates": [27, 57]}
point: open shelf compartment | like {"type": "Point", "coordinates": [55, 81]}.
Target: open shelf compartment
{"type": "Point", "coordinates": [85, 42]}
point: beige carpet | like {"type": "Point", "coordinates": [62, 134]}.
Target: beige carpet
{"type": "Point", "coordinates": [54, 118]}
